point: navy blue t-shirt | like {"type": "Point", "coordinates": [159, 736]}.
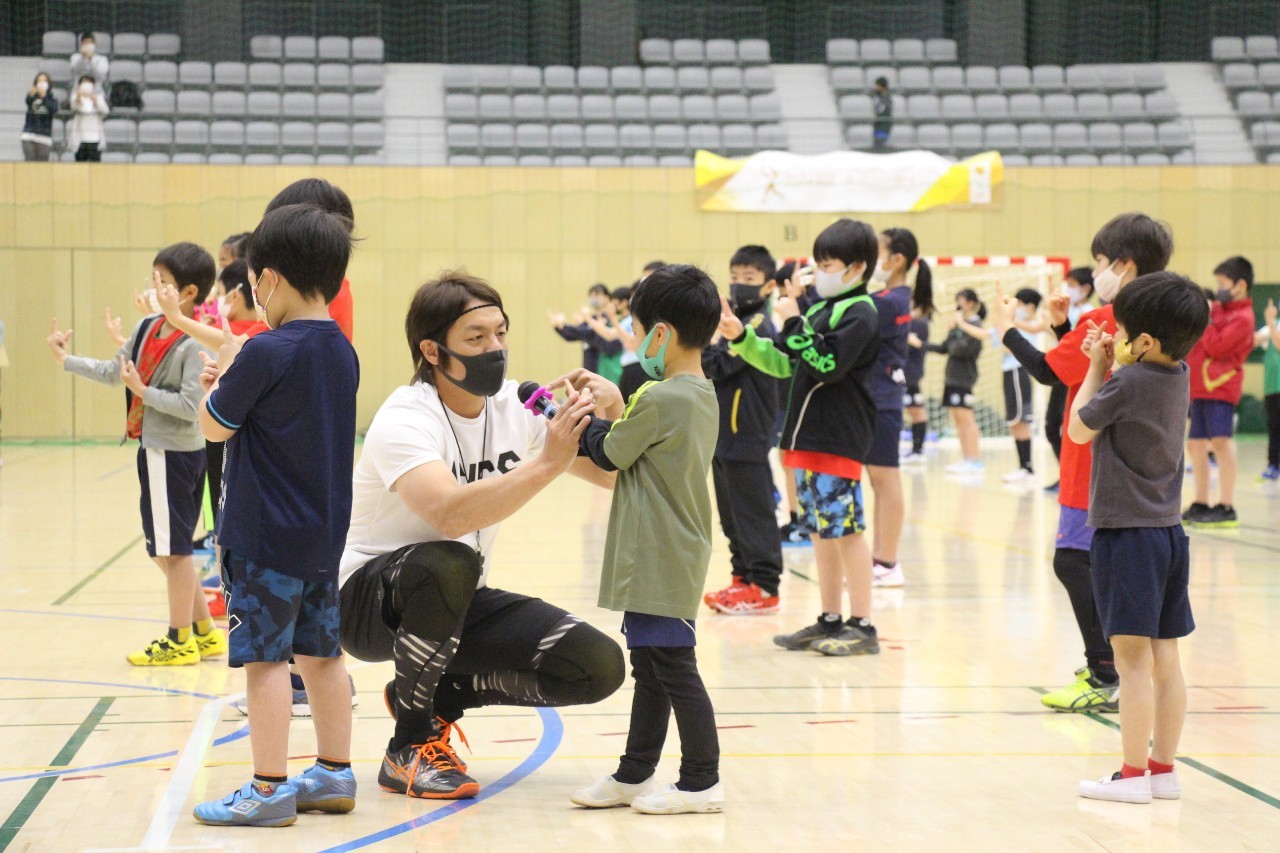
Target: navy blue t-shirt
{"type": "Point", "coordinates": [914, 367]}
{"type": "Point", "coordinates": [887, 379]}
{"type": "Point", "coordinates": [286, 495]}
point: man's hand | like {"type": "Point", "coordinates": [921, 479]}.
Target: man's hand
{"type": "Point", "coordinates": [208, 376]}
{"type": "Point", "coordinates": [730, 326]}
{"type": "Point", "coordinates": [58, 342]}
{"type": "Point", "coordinates": [231, 345]}
{"type": "Point", "coordinates": [608, 399]}
{"type": "Point", "coordinates": [1059, 304]}
{"type": "Point", "coordinates": [565, 430]}
{"type": "Point", "coordinates": [130, 377]}
{"type": "Point", "coordinates": [115, 328]}
{"type": "Point", "coordinates": [1003, 310]}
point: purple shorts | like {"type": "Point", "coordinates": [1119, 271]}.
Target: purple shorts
{"type": "Point", "coordinates": [1212, 419]}
{"type": "Point", "coordinates": [1073, 529]}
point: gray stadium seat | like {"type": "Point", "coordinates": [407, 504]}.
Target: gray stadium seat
{"type": "Point", "coordinates": [981, 78]}
{"type": "Point", "coordinates": [300, 47]}
{"type": "Point", "coordinates": [839, 51]}
{"type": "Point", "coordinates": [332, 75]}
{"type": "Point", "coordinates": [914, 80]}
{"type": "Point", "coordinates": [665, 107]}
{"type": "Point", "coordinates": [299, 75]}
{"type": "Point", "coordinates": [1254, 105]}
{"type": "Point", "coordinates": [336, 105]}
{"type": "Point", "coordinates": [919, 108]}
{"type": "Point", "coordinates": [297, 159]}
{"type": "Point", "coordinates": [1161, 105]}
{"type": "Point", "coordinates": [1048, 160]}
{"type": "Point", "coordinates": [103, 41]}
{"type": "Point", "coordinates": [695, 108]}
{"type": "Point", "coordinates": [333, 48]}
{"type": "Point", "coordinates": [1153, 158]}
{"type": "Point", "coordinates": [367, 49]}
{"type": "Point", "coordinates": [600, 137]}
{"type": "Point", "coordinates": [125, 69]}
{"type": "Point", "coordinates": [1084, 78]}
{"type": "Point", "coordinates": [521, 78]}
{"type": "Point", "coordinates": [58, 44]}
{"type": "Point", "coordinates": [693, 79]}
{"type": "Point", "coordinates": [601, 161]}
{"type": "Point", "coordinates": [1117, 160]}
{"type": "Point", "coordinates": [857, 137]}
{"type": "Point", "coordinates": [226, 134]}
{"type": "Point", "coordinates": [162, 45]}
{"type": "Point", "coordinates": [1059, 106]}
{"type": "Point", "coordinates": [940, 51]}
{"type": "Point", "coordinates": [195, 75]}
{"type": "Point", "coordinates": [934, 137]}
{"type": "Point", "coordinates": [947, 79]}
{"type": "Point", "coordinates": [1116, 78]}
{"type": "Point", "coordinates": [766, 108]}
{"type": "Point", "coordinates": [160, 72]}
{"type": "Point", "coordinates": [569, 161]}
{"type": "Point", "coordinates": [669, 138]}
{"type": "Point", "coordinates": [566, 108]}
{"type": "Point", "coordinates": [1239, 75]}
{"type": "Point", "coordinates": [1015, 160]}
{"type": "Point", "coordinates": [721, 52]}
{"type": "Point", "coordinates": [655, 51]}
{"type": "Point", "coordinates": [120, 131]}
{"type": "Point", "coordinates": [1268, 75]}
{"type": "Point", "coordinates": [262, 134]}
{"type": "Point", "coordinates": [626, 79]}
{"type": "Point", "coordinates": [1226, 49]}
{"type": "Point", "coordinates": [753, 52]}
{"type": "Point", "coordinates": [1148, 78]}
{"type": "Point", "coordinates": [1033, 138]}
{"type": "Point", "coordinates": [1105, 137]}
{"type": "Point", "coordinates": [1070, 137]}
{"type": "Point", "coordinates": [189, 158]}
{"type": "Point", "coordinates": [908, 51]}
{"type": "Point", "coordinates": [266, 47]}
{"type": "Point", "coordinates": [875, 50]}
{"type": "Point", "coordinates": [523, 107]}
{"type": "Point", "coordinates": [859, 107]}
{"type": "Point", "coordinates": [566, 137]}
{"type": "Point", "coordinates": [1127, 106]}
{"type": "Point", "coordinates": [672, 161]}
{"type": "Point", "coordinates": [230, 75]}
{"type": "Point", "coordinates": [1261, 48]}
{"type": "Point", "coordinates": [298, 135]}
{"type": "Point", "coordinates": [1048, 78]}
{"type": "Point", "coordinates": [495, 107]}
{"type": "Point", "coordinates": [875, 72]}
{"type": "Point", "coordinates": [333, 134]}
{"type": "Point", "coordinates": [497, 138]}
{"type": "Point", "coordinates": [460, 78]}
{"type": "Point", "coordinates": [194, 103]}
{"type": "Point", "coordinates": [640, 160]}
{"type": "Point", "coordinates": [366, 76]}
{"type": "Point", "coordinates": [958, 108]}
{"type": "Point", "coordinates": [733, 108]}
{"type": "Point", "coordinates": [705, 136]}
{"type": "Point", "coordinates": [152, 157]}
{"type": "Point", "coordinates": [593, 79]}
{"type": "Point", "coordinates": [847, 79]}
{"type": "Point", "coordinates": [264, 104]}
{"type": "Point", "coordinates": [164, 102]}
{"type": "Point", "coordinates": [559, 78]}
{"type": "Point", "coordinates": [155, 133]}
{"type": "Point", "coordinates": [341, 160]}
{"type": "Point", "coordinates": [635, 137]}
{"type": "Point", "coordinates": [1015, 78]}
{"type": "Point", "coordinates": [1001, 137]}
{"type": "Point", "coordinates": [966, 138]}
{"type": "Point", "coordinates": [991, 108]}
{"type": "Point", "coordinates": [688, 52]}
{"type": "Point", "coordinates": [1093, 106]}
{"type": "Point", "coordinates": [533, 137]}
{"type": "Point", "coordinates": [1025, 107]}
{"type": "Point", "coordinates": [116, 157]}
{"type": "Point", "coordinates": [462, 137]}
{"type": "Point", "coordinates": [660, 79]}
{"type": "Point", "coordinates": [229, 104]}
{"type": "Point", "coordinates": [1082, 160]}
{"type": "Point", "coordinates": [264, 75]}
{"type": "Point", "coordinates": [739, 138]}
{"type": "Point", "coordinates": [771, 137]}
{"type": "Point", "coordinates": [902, 137]}
{"type": "Point", "coordinates": [726, 79]}
{"type": "Point", "coordinates": [261, 159]}
{"type": "Point", "coordinates": [1173, 135]}
{"type": "Point", "coordinates": [365, 105]}
{"type": "Point", "coordinates": [297, 105]}
{"type": "Point", "coordinates": [507, 160]}
{"type": "Point", "coordinates": [631, 108]}
{"type": "Point", "coordinates": [1138, 136]}
{"type": "Point", "coordinates": [225, 159]}
{"type": "Point", "coordinates": [128, 46]}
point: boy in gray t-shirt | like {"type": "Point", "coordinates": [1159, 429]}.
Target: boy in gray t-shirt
{"type": "Point", "coordinates": [1140, 559]}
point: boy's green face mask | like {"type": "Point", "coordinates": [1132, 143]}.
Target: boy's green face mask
{"type": "Point", "coordinates": [654, 367]}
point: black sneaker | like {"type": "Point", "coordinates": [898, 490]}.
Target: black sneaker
{"type": "Point", "coordinates": [428, 771]}
{"type": "Point", "coordinates": [852, 639]}
{"type": "Point", "coordinates": [792, 535]}
{"type": "Point", "coordinates": [1194, 512]}
{"type": "Point", "coordinates": [1220, 516]}
{"type": "Point", "coordinates": [804, 638]}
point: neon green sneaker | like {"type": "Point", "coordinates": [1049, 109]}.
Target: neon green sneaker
{"type": "Point", "coordinates": [1086, 693]}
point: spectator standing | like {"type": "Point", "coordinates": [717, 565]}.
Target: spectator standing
{"type": "Point", "coordinates": [87, 62]}
{"type": "Point", "coordinates": [85, 135]}
{"type": "Point", "coordinates": [37, 128]}
{"type": "Point", "coordinates": [883, 103]}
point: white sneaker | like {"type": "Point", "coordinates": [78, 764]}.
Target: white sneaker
{"type": "Point", "coordinates": [912, 459]}
{"type": "Point", "coordinates": [609, 792]}
{"type": "Point", "coordinates": [1135, 789]}
{"type": "Point", "coordinates": [1165, 786]}
{"type": "Point", "coordinates": [966, 466]}
{"type": "Point", "coordinates": [890, 577]}
{"type": "Point", "coordinates": [669, 799]}
{"type": "Point", "coordinates": [1021, 475]}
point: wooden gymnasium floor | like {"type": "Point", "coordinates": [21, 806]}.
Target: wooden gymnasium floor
{"type": "Point", "coordinates": [940, 743]}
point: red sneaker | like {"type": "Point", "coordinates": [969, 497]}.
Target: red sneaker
{"type": "Point", "coordinates": [217, 604]}
{"type": "Point", "coordinates": [709, 598]}
{"type": "Point", "coordinates": [746, 599]}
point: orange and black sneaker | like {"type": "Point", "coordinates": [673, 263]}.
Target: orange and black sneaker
{"type": "Point", "coordinates": [429, 771]}
{"type": "Point", "coordinates": [443, 726]}
{"type": "Point", "coordinates": [709, 598]}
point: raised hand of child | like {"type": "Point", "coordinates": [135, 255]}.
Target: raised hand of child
{"type": "Point", "coordinates": [1059, 303]}
{"type": "Point", "coordinates": [115, 328]}
{"type": "Point", "coordinates": [167, 298]}
{"type": "Point", "coordinates": [231, 345]}
{"type": "Point", "coordinates": [609, 402]}
{"type": "Point", "coordinates": [730, 326]}
{"type": "Point", "coordinates": [130, 377]}
{"type": "Point", "coordinates": [913, 340]}
{"type": "Point", "coordinates": [1003, 310]}
{"type": "Point", "coordinates": [1269, 313]}
{"type": "Point", "coordinates": [58, 342]}
{"type": "Point", "coordinates": [556, 319]}
{"type": "Point", "coordinates": [209, 375]}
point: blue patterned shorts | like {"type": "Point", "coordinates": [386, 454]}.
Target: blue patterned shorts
{"type": "Point", "coordinates": [830, 506]}
{"type": "Point", "coordinates": [272, 616]}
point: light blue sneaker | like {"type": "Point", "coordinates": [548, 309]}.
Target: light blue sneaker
{"type": "Point", "coordinates": [247, 807]}
{"type": "Point", "coordinates": [323, 790]}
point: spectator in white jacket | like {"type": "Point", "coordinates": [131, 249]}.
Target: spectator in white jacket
{"type": "Point", "coordinates": [84, 131]}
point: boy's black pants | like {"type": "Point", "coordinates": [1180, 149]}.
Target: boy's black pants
{"type": "Point", "coordinates": [744, 498]}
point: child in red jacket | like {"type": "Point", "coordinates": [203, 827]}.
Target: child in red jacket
{"type": "Point", "coordinates": [1217, 380]}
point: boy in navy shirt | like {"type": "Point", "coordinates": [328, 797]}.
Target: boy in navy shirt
{"type": "Point", "coordinates": [1139, 555]}
{"type": "Point", "coordinates": [285, 404]}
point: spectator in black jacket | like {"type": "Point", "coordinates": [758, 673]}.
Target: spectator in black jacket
{"type": "Point", "coordinates": [37, 129]}
{"type": "Point", "coordinates": [962, 346]}
{"type": "Point", "coordinates": [883, 103]}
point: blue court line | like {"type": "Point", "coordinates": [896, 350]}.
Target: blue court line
{"type": "Point", "coordinates": [239, 733]}
{"type": "Point", "coordinates": [115, 471]}
{"type": "Point", "coordinates": [552, 733]}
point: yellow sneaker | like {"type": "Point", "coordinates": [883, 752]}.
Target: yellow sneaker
{"type": "Point", "coordinates": [212, 644]}
{"type": "Point", "coordinates": [165, 652]}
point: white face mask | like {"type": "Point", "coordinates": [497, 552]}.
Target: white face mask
{"type": "Point", "coordinates": [881, 275]}
{"type": "Point", "coordinates": [42, 87]}
{"type": "Point", "coordinates": [86, 89]}
{"type": "Point", "coordinates": [830, 284]}
{"type": "Point", "coordinates": [1076, 295]}
{"type": "Point", "coordinates": [87, 50]}
{"type": "Point", "coordinates": [1107, 283]}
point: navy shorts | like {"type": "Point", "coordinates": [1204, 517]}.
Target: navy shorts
{"type": "Point", "coordinates": [886, 436]}
{"type": "Point", "coordinates": [274, 616]}
{"type": "Point", "coordinates": [645, 630]}
{"type": "Point", "coordinates": [830, 506]}
{"type": "Point", "coordinates": [1140, 577]}
{"type": "Point", "coordinates": [956, 397]}
{"type": "Point", "coordinates": [169, 506]}
{"type": "Point", "coordinates": [1212, 419]}
{"type": "Point", "coordinates": [1017, 396]}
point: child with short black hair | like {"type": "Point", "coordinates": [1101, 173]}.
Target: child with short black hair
{"type": "Point", "coordinates": [160, 369]}
{"type": "Point", "coordinates": [285, 405]}
{"type": "Point", "coordinates": [828, 353]}
{"type": "Point", "coordinates": [1017, 384]}
{"type": "Point", "coordinates": [741, 473]}
{"type": "Point", "coordinates": [659, 544]}
{"type": "Point", "coordinates": [1140, 554]}
{"type": "Point", "coordinates": [1217, 384]}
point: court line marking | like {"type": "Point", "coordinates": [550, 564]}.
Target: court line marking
{"type": "Point", "coordinates": [552, 734]}
{"type": "Point", "coordinates": [62, 599]}
{"type": "Point", "coordinates": [28, 805]}
{"type": "Point", "coordinates": [83, 615]}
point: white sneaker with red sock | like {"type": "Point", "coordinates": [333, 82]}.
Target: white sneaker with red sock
{"type": "Point", "coordinates": [1165, 786]}
{"type": "Point", "coordinates": [1117, 789]}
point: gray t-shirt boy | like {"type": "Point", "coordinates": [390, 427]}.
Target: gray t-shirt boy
{"type": "Point", "coordinates": [1141, 413]}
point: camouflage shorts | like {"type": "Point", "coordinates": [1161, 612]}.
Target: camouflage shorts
{"type": "Point", "coordinates": [830, 506]}
{"type": "Point", "coordinates": [272, 616]}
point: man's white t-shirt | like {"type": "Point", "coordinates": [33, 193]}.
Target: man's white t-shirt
{"type": "Point", "coordinates": [413, 429]}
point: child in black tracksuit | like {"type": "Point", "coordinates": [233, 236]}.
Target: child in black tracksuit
{"type": "Point", "coordinates": [963, 346]}
{"type": "Point", "coordinates": [743, 480]}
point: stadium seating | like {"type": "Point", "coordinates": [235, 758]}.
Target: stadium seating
{"type": "Point", "coordinates": [1250, 69]}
